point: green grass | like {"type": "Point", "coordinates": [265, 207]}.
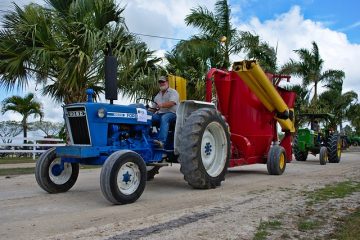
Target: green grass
{"type": "Point", "coordinates": [348, 229]}
{"type": "Point", "coordinates": [338, 190]}
{"type": "Point", "coordinates": [262, 232]}
{"type": "Point", "coordinates": [306, 224]}
{"type": "Point", "coordinates": [14, 160]}
{"type": "Point", "coordinates": [16, 171]}
{"type": "Point", "coordinates": [31, 170]}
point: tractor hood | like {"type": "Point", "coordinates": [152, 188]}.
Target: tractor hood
{"type": "Point", "coordinates": [88, 122]}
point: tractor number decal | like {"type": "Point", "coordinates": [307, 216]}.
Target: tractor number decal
{"type": "Point", "coordinates": [141, 115]}
{"type": "Point", "coordinates": [75, 113]}
{"type": "Point", "coordinates": [121, 115]}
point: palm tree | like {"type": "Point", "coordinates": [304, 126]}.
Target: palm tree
{"type": "Point", "coordinates": [218, 38]}
{"type": "Point", "coordinates": [261, 51]}
{"type": "Point", "coordinates": [63, 45]}
{"type": "Point", "coordinates": [190, 62]}
{"type": "Point", "coordinates": [336, 102]}
{"type": "Point", "coordinates": [26, 106]}
{"type": "Point", "coordinates": [353, 115]}
{"type": "Point", "coordinates": [301, 102]}
{"type": "Point", "coordinates": [310, 69]}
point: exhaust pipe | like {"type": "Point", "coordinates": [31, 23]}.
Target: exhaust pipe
{"type": "Point", "coordinates": [110, 76]}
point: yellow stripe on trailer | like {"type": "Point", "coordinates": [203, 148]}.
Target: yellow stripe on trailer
{"type": "Point", "coordinates": [179, 84]}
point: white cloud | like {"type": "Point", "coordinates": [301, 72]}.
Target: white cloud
{"type": "Point", "coordinates": [291, 31]}
{"type": "Point", "coordinates": [161, 18]}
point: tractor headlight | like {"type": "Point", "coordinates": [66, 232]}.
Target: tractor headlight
{"type": "Point", "coordinates": [101, 113]}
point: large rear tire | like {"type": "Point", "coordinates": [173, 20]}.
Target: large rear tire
{"type": "Point", "coordinates": [299, 155]}
{"type": "Point", "coordinates": [49, 175]}
{"type": "Point", "coordinates": [334, 148]}
{"type": "Point", "coordinates": [276, 160]}
{"type": "Point", "coordinates": [123, 177]}
{"type": "Point", "coordinates": [204, 149]}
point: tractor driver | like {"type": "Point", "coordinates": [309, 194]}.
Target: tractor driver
{"type": "Point", "coordinates": [315, 126]}
{"type": "Point", "coordinates": [167, 100]}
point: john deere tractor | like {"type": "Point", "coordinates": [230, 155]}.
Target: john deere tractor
{"type": "Point", "coordinates": [325, 142]}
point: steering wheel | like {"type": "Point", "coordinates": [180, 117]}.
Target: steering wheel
{"type": "Point", "coordinates": [147, 101]}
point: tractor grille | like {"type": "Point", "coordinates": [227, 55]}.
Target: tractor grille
{"type": "Point", "coordinates": [77, 125]}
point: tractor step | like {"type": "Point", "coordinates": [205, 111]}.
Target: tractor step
{"type": "Point", "coordinates": [158, 164]}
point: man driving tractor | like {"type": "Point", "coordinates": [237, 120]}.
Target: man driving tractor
{"type": "Point", "coordinates": [167, 101]}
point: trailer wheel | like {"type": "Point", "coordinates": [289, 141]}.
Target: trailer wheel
{"type": "Point", "coordinates": [299, 155]}
{"type": "Point", "coordinates": [49, 175]}
{"type": "Point", "coordinates": [151, 172]}
{"type": "Point", "coordinates": [323, 155]}
{"type": "Point", "coordinates": [204, 149]}
{"type": "Point", "coordinates": [276, 160]}
{"type": "Point", "coordinates": [123, 177]}
{"type": "Point", "coordinates": [334, 148]}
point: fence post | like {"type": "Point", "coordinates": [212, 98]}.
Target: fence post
{"type": "Point", "coordinates": [34, 149]}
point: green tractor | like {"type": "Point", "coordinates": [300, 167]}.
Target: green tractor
{"type": "Point", "coordinates": [325, 142]}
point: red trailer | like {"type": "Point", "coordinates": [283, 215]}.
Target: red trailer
{"type": "Point", "coordinates": [252, 106]}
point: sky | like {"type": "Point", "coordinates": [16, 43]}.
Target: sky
{"type": "Point", "coordinates": [334, 25]}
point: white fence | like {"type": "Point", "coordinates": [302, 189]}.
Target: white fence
{"type": "Point", "coordinates": [37, 145]}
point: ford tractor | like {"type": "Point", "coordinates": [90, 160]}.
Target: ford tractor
{"type": "Point", "coordinates": [121, 138]}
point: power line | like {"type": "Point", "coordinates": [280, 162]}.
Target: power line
{"type": "Point", "coordinates": [156, 36]}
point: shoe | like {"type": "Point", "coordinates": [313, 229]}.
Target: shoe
{"type": "Point", "coordinates": [158, 143]}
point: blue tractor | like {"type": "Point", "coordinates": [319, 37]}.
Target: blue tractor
{"type": "Point", "coordinates": [121, 139]}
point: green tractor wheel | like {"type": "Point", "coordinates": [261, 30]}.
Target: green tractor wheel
{"type": "Point", "coordinates": [334, 148]}
{"type": "Point", "coordinates": [323, 155]}
{"type": "Point", "coordinates": [299, 155]}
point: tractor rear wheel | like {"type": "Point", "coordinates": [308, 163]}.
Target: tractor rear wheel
{"type": "Point", "coordinates": [204, 150]}
{"type": "Point", "coordinates": [123, 177]}
{"type": "Point", "coordinates": [299, 155]}
{"type": "Point", "coordinates": [51, 177]}
{"type": "Point", "coordinates": [276, 160]}
{"type": "Point", "coordinates": [323, 155]}
{"type": "Point", "coordinates": [334, 148]}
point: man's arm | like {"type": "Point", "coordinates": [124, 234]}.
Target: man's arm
{"type": "Point", "coordinates": [166, 104]}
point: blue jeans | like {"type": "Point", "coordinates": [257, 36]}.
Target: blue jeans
{"type": "Point", "coordinates": [164, 119]}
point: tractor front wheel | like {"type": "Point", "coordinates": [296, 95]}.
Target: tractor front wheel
{"type": "Point", "coordinates": [51, 176]}
{"type": "Point", "coordinates": [334, 148]}
{"type": "Point", "coordinates": [123, 177]}
{"type": "Point", "coordinates": [204, 149]}
{"type": "Point", "coordinates": [276, 160]}
{"type": "Point", "coordinates": [323, 155]}
{"type": "Point", "coordinates": [299, 155]}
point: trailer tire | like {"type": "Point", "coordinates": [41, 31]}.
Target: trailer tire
{"type": "Point", "coordinates": [276, 160]}
{"type": "Point", "coordinates": [323, 155]}
{"type": "Point", "coordinates": [131, 186]}
{"type": "Point", "coordinates": [204, 150]}
{"type": "Point", "coordinates": [50, 178]}
{"type": "Point", "coordinates": [334, 148]}
{"type": "Point", "coordinates": [151, 172]}
{"type": "Point", "coordinates": [299, 155]}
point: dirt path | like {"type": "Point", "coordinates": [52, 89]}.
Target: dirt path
{"type": "Point", "coordinates": [169, 208]}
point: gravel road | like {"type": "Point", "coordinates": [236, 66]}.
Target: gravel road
{"type": "Point", "coordinates": [169, 208]}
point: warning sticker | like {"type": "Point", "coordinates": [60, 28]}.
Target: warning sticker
{"type": "Point", "coordinates": [141, 115]}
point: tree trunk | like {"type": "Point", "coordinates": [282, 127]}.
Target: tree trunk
{"type": "Point", "coordinates": [315, 92]}
{"type": "Point", "coordinates": [24, 126]}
